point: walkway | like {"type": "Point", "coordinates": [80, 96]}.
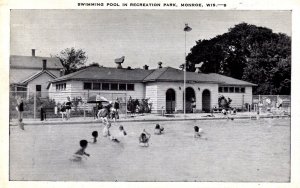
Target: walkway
{"type": "Point", "coordinates": [148, 117]}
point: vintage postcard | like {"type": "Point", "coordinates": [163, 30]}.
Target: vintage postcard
{"type": "Point", "coordinates": [140, 92]}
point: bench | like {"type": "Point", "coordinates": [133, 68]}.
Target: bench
{"type": "Point", "coordinates": [45, 111]}
{"type": "Point", "coordinates": [217, 110]}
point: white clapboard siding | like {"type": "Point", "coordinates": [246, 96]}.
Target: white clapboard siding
{"type": "Point", "coordinates": [41, 80]}
{"type": "Point", "coordinates": [158, 94]}
{"type": "Point", "coordinates": [74, 89]}
{"type": "Point", "coordinates": [239, 99]}
{"type": "Point", "coordinates": [151, 93]}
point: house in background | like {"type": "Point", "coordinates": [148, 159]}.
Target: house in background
{"type": "Point", "coordinates": [163, 86]}
{"type": "Point", "coordinates": [30, 74]}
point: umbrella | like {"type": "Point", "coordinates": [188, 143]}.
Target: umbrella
{"type": "Point", "coordinates": [97, 99]}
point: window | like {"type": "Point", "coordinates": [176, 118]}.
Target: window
{"type": "Point", "coordinates": [242, 90]}
{"type": "Point", "coordinates": [236, 89]}
{"type": "Point", "coordinates": [96, 86]}
{"type": "Point", "coordinates": [220, 89]}
{"type": "Point", "coordinates": [21, 88]}
{"type": "Point", "coordinates": [225, 90]}
{"type": "Point", "coordinates": [61, 86]}
{"type": "Point", "coordinates": [113, 86]}
{"type": "Point", "coordinates": [105, 86]}
{"type": "Point", "coordinates": [231, 89]}
{"type": "Point", "coordinates": [38, 87]}
{"type": "Point", "coordinates": [122, 87]}
{"type": "Point", "coordinates": [87, 85]}
{"type": "Point", "coordinates": [130, 87]}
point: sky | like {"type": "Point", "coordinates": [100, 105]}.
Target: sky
{"type": "Point", "coordinates": [142, 36]}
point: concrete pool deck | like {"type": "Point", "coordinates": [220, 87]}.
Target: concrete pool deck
{"type": "Point", "coordinates": [149, 117]}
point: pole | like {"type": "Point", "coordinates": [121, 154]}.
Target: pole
{"type": "Point", "coordinates": [125, 105]}
{"type": "Point", "coordinates": [34, 105]}
{"type": "Point", "coordinates": [186, 29]}
{"type": "Point", "coordinates": [184, 76]}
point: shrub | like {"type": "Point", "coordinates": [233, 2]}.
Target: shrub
{"type": "Point", "coordinates": [223, 102]}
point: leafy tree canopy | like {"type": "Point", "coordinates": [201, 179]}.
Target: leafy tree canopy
{"type": "Point", "coordinates": [72, 59]}
{"type": "Point", "coordinates": [249, 53]}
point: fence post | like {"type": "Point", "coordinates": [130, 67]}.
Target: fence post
{"type": "Point", "coordinates": [126, 105]}
{"type": "Point", "coordinates": [34, 105]}
{"type": "Point", "coordinates": [84, 107]}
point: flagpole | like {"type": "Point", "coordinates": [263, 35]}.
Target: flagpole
{"type": "Point", "coordinates": [186, 29]}
{"type": "Point", "coordinates": [184, 77]}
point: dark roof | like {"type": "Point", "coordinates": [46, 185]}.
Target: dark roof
{"type": "Point", "coordinates": [107, 74]}
{"type": "Point", "coordinates": [34, 62]}
{"type": "Point", "coordinates": [172, 74]}
{"type": "Point", "coordinates": [230, 81]}
{"type": "Point", "coordinates": [166, 74]}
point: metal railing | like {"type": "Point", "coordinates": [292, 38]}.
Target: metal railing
{"type": "Point", "coordinates": [272, 103]}
{"type": "Point", "coordinates": [51, 102]}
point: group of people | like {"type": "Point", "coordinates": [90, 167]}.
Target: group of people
{"type": "Point", "coordinates": [65, 109]}
{"type": "Point", "coordinates": [136, 106]}
{"type": "Point", "coordinates": [110, 111]}
{"type": "Point", "coordinates": [143, 139]}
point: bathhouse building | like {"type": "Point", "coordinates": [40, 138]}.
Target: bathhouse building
{"type": "Point", "coordinates": [164, 87]}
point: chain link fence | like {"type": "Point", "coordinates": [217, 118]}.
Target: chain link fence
{"type": "Point", "coordinates": [50, 103]}
{"type": "Point", "coordinates": [272, 103]}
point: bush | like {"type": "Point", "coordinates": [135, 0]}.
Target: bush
{"type": "Point", "coordinates": [224, 103]}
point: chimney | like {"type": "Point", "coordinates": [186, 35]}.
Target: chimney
{"type": "Point", "coordinates": [44, 64]}
{"type": "Point", "coordinates": [119, 61]}
{"type": "Point", "coordinates": [159, 65]}
{"type": "Point", "coordinates": [33, 52]}
{"type": "Point", "coordinates": [146, 67]}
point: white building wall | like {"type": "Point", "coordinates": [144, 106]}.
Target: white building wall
{"type": "Point", "coordinates": [151, 93]}
{"type": "Point", "coordinates": [75, 89]}
{"type": "Point", "coordinates": [160, 88]}
{"type": "Point", "coordinates": [239, 99]}
{"type": "Point", "coordinates": [156, 91]}
{"type": "Point", "coordinates": [42, 80]}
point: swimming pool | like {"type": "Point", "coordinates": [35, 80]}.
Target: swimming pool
{"type": "Point", "coordinates": [236, 151]}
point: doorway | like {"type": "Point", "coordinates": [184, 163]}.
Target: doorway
{"type": "Point", "coordinates": [190, 100]}
{"type": "Point", "coordinates": [206, 100]}
{"type": "Point", "coordinates": [170, 101]}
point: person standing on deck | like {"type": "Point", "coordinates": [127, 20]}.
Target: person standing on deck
{"type": "Point", "coordinates": [68, 108]}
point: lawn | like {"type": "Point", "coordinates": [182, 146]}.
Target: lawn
{"type": "Point", "coordinates": [236, 151]}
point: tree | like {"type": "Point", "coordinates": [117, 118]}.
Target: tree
{"type": "Point", "coordinates": [249, 53]}
{"type": "Point", "coordinates": [72, 59]}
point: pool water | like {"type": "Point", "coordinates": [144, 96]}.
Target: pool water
{"type": "Point", "coordinates": [235, 151]}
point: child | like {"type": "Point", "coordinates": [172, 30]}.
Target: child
{"type": "Point", "coordinates": [113, 114]}
{"type": "Point", "coordinates": [158, 129]}
{"type": "Point", "coordinates": [257, 115]}
{"type": "Point", "coordinates": [103, 114]}
{"type": "Point", "coordinates": [106, 133]}
{"type": "Point", "coordinates": [144, 139]}
{"type": "Point", "coordinates": [63, 111]}
{"type": "Point", "coordinates": [95, 135]}
{"type": "Point", "coordinates": [198, 133]}
{"type": "Point", "coordinates": [21, 124]}
{"type": "Point", "coordinates": [122, 131]}
{"type": "Point", "coordinates": [225, 113]}
{"type": "Point", "coordinates": [81, 152]}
